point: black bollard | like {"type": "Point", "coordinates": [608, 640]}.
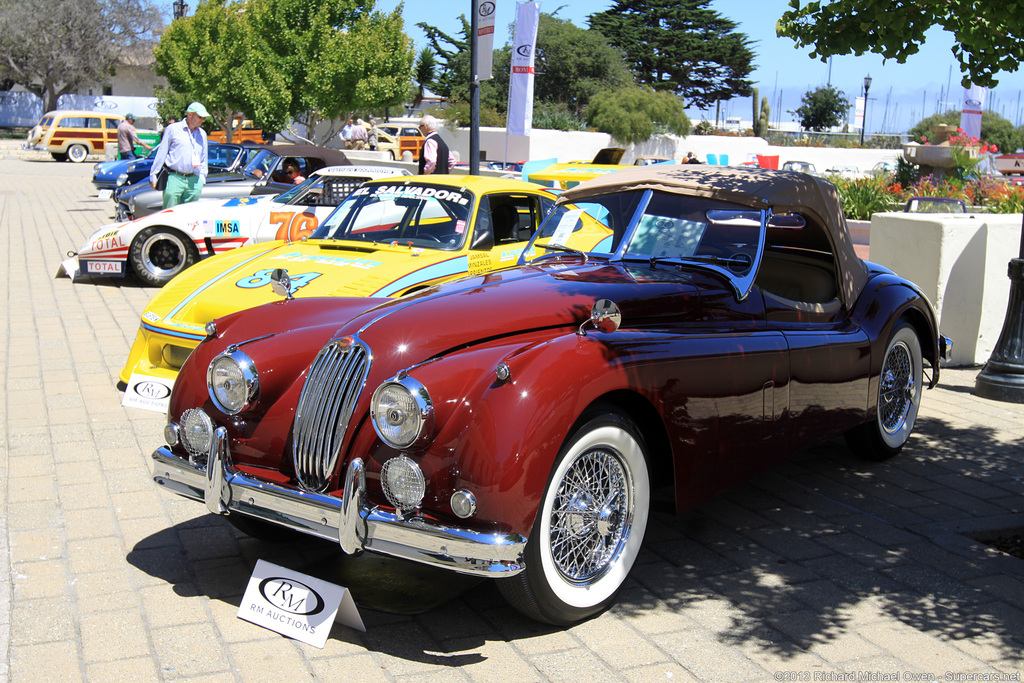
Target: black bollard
{"type": "Point", "coordinates": [1002, 378]}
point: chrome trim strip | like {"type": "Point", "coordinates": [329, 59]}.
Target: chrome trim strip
{"type": "Point", "coordinates": [348, 520]}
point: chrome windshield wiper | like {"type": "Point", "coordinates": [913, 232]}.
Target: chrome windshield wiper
{"type": "Point", "coordinates": [559, 248]}
{"type": "Point", "coordinates": [738, 260]}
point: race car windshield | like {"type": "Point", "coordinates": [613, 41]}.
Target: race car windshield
{"type": "Point", "coordinates": [409, 215]}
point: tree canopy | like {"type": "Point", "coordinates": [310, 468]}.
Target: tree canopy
{"type": "Point", "coordinates": [53, 47]}
{"type": "Point", "coordinates": [994, 129]}
{"type": "Point", "coordinates": [989, 35]}
{"type": "Point", "coordinates": [634, 114]}
{"type": "Point", "coordinates": [822, 108]}
{"type": "Point", "coordinates": [275, 60]}
{"type": "Point", "coordinates": [680, 46]}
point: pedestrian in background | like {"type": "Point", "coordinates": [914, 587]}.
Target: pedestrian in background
{"type": "Point", "coordinates": [435, 157]}
{"type": "Point", "coordinates": [346, 133]}
{"type": "Point", "coordinates": [127, 138]}
{"type": "Point", "coordinates": [358, 135]}
{"type": "Point", "coordinates": [184, 153]}
{"type": "Point", "coordinates": [372, 135]}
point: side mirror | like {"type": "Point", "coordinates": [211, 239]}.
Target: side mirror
{"type": "Point", "coordinates": [281, 283]}
{"type": "Point", "coordinates": [605, 316]}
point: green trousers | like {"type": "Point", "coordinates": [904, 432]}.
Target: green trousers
{"type": "Point", "coordinates": [180, 189]}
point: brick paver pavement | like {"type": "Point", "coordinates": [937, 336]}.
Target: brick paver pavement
{"type": "Point", "coordinates": [820, 569]}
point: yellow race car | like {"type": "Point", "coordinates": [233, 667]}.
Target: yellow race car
{"type": "Point", "coordinates": [390, 237]}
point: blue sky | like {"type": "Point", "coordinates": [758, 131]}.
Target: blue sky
{"type": "Point", "coordinates": [901, 94]}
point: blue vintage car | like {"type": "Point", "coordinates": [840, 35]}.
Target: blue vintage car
{"type": "Point", "coordinates": [109, 175]}
{"type": "Point", "coordinates": [105, 173]}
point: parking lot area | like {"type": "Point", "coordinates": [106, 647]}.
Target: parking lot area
{"type": "Point", "coordinates": [821, 568]}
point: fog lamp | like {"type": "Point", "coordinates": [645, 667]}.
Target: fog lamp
{"type": "Point", "coordinates": [403, 482]}
{"type": "Point", "coordinates": [463, 504]}
{"type": "Point", "coordinates": [196, 432]}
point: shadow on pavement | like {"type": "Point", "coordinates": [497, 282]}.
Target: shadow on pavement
{"type": "Point", "coordinates": [812, 552]}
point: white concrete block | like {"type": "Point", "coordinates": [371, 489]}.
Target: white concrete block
{"type": "Point", "coordinates": [959, 262]}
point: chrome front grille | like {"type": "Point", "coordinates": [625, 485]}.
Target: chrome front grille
{"type": "Point", "coordinates": [333, 385]}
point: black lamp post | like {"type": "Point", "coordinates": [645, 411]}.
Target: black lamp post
{"type": "Point", "coordinates": [867, 87]}
{"type": "Point", "coordinates": [1002, 378]}
{"type": "Point", "coordinates": [180, 8]}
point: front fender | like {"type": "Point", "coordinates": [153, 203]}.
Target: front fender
{"type": "Point", "coordinates": [500, 438]}
{"type": "Point", "coordinates": [885, 300]}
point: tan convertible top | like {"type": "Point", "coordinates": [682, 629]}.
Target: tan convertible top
{"type": "Point", "coordinates": [782, 191]}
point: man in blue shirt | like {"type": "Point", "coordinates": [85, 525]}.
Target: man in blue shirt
{"type": "Point", "coordinates": [184, 152]}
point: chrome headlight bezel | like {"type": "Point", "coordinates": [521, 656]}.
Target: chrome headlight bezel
{"type": "Point", "coordinates": [248, 376]}
{"type": "Point", "coordinates": [417, 417]}
{"type": "Point", "coordinates": [122, 179]}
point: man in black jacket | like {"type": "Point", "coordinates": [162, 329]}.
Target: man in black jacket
{"type": "Point", "coordinates": [435, 157]}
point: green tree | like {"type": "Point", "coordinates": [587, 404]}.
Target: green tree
{"type": "Point", "coordinates": [822, 108]}
{"type": "Point", "coordinates": [634, 114]}
{"type": "Point", "coordinates": [216, 57]}
{"type": "Point", "coordinates": [423, 73]}
{"type": "Point", "coordinates": [335, 57]}
{"type": "Point", "coordinates": [572, 64]}
{"type": "Point", "coordinates": [54, 47]}
{"type": "Point", "coordinates": [994, 129]}
{"type": "Point", "coordinates": [989, 35]}
{"type": "Point", "coordinates": [680, 46]}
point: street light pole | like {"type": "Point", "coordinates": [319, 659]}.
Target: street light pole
{"type": "Point", "coordinates": [867, 87]}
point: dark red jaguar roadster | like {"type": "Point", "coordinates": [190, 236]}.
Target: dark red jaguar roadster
{"type": "Point", "coordinates": [677, 327]}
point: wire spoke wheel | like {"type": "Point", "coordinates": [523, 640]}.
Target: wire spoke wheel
{"type": "Point", "coordinates": [896, 393]}
{"type": "Point", "coordinates": [588, 520]}
{"type": "Point", "coordinates": [590, 523]}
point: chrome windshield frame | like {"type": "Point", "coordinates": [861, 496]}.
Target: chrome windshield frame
{"type": "Point", "coordinates": [741, 284]}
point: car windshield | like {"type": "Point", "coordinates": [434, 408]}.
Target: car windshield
{"type": "Point", "coordinates": [260, 164]}
{"type": "Point", "coordinates": [658, 228]}
{"type": "Point", "coordinates": [409, 214]}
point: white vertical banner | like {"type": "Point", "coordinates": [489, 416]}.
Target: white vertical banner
{"type": "Point", "coordinates": [484, 38]}
{"type": "Point", "coordinates": [970, 115]}
{"type": "Point", "coordinates": [858, 113]}
{"type": "Point", "coordinates": [520, 91]}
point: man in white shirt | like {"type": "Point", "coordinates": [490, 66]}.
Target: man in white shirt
{"type": "Point", "coordinates": [184, 152]}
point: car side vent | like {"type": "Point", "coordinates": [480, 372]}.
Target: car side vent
{"type": "Point", "coordinates": [328, 398]}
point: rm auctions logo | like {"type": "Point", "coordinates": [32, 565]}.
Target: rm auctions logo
{"type": "Point", "coordinates": [486, 9]}
{"type": "Point", "coordinates": [291, 596]}
{"type": "Point", "coordinates": [152, 390]}
{"type": "Point", "coordinates": [524, 50]}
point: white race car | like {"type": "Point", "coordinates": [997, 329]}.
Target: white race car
{"type": "Point", "coordinates": [159, 246]}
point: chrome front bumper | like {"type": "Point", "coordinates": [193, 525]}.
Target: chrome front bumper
{"type": "Point", "coordinates": [348, 520]}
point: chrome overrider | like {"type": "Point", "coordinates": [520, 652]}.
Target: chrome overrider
{"type": "Point", "coordinates": [348, 520]}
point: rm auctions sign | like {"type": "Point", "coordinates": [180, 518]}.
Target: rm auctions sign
{"type": "Point", "coordinates": [296, 605]}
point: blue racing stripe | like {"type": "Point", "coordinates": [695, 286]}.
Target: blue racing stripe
{"type": "Point", "coordinates": [210, 283]}
{"type": "Point", "coordinates": [455, 266]}
{"type": "Point", "coordinates": [172, 333]}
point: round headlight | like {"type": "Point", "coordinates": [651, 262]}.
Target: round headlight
{"type": "Point", "coordinates": [403, 482]}
{"type": "Point", "coordinates": [196, 432]}
{"type": "Point", "coordinates": [402, 412]}
{"type": "Point", "coordinates": [122, 179]}
{"type": "Point", "coordinates": [233, 381]}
